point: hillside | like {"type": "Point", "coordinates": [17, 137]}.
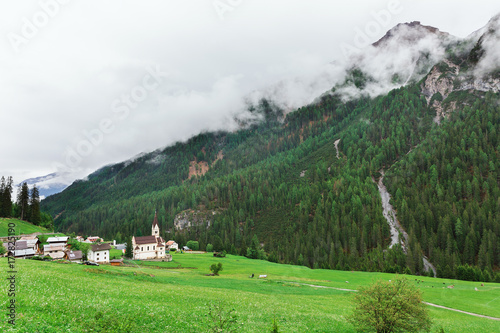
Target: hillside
{"type": "Point", "coordinates": [160, 296]}
{"type": "Point", "coordinates": [280, 178]}
{"type": "Point", "coordinates": [22, 227]}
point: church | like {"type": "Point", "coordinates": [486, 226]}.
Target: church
{"type": "Point", "coordinates": [149, 247]}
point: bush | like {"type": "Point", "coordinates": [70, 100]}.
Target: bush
{"type": "Point", "coordinates": [210, 248]}
{"type": "Point", "coordinates": [220, 254]}
{"type": "Point", "coordinates": [216, 268]}
{"type": "Point", "coordinates": [193, 245]}
{"type": "Point", "coordinates": [220, 319]}
{"type": "Point", "coordinates": [390, 307]}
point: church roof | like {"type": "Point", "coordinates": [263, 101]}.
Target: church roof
{"type": "Point", "coordinates": [145, 240]}
{"type": "Point", "coordinates": [155, 221]}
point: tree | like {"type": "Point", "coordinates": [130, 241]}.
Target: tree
{"type": "Point", "coordinates": [129, 253]}
{"type": "Point", "coordinates": [221, 320]}
{"type": "Point", "coordinates": [2, 249]}
{"type": "Point", "coordinates": [386, 307]}
{"type": "Point", "coordinates": [253, 250]}
{"type": "Point", "coordinates": [23, 200]}
{"type": "Point", "coordinates": [193, 245]}
{"type": "Point", "coordinates": [6, 197]}
{"type": "Point", "coordinates": [85, 248]}
{"type": "Point", "coordinates": [216, 268]}
{"type": "Point", "coordinates": [35, 216]}
{"type": "Point", "coordinates": [210, 248]}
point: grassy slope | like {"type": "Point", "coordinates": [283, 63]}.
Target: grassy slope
{"type": "Point", "coordinates": [22, 227]}
{"type": "Point", "coordinates": [55, 297]}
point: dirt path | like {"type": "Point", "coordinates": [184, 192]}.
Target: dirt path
{"type": "Point", "coordinates": [469, 313]}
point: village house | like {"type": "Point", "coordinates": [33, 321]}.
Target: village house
{"type": "Point", "coordinates": [99, 253]}
{"type": "Point", "coordinates": [32, 242]}
{"type": "Point", "coordinates": [21, 251]}
{"type": "Point", "coordinates": [121, 247]}
{"type": "Point", "coordinates": [56, 247]}
{"type": "Point", "coordinates": [149, 247]}
{"type": "Point", "coordinates": [73, 256]}
{"type": "Point", "coordinates": [94, 239]}
{"type": "Point", "coordinates": [172, 245]}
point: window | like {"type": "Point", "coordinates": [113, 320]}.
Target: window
{"type": "Point", "coordinates": [148, 248]}
{"type": "Point", "coordinates": [153, 247]}
{"type": "Point", "coordinates": [142, 249]}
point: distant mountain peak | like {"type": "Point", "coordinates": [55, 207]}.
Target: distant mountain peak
{"type": "Point", "coordinates": [410, 32]}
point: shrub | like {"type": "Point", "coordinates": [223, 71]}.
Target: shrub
{"type": "Point", "coordinates": [390, 307]}
{"type": "Point", "coordinates": [221, 320]}
{"type": "Point", "coordinates": [193, 245]}
{"type": "Point", "coordinates": [216, 268]}
{"type": "Point", "coordinates": [210, 248]}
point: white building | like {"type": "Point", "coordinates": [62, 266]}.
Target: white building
{"type": "Point", "coordinates": [99, 253]}
{"type": "Point", "coordinates": [149, 247]}
{"type": "Point", "coordinates": [172, 245]}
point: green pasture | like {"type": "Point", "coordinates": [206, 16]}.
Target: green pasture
{"type": "Point", "coordinates": [173, 297]}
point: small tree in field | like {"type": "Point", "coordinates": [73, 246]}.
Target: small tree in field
{"type": "Point", "coordinates": [387, 307]}
{"type": "Point", "coordinates": [216, 268]}
{"type": "Point", "coordinates": [221, 319]}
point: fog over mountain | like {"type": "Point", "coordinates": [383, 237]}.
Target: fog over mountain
{"type": "Point", "coordinates": [66, 79]}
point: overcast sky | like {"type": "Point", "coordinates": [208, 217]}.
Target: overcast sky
{"type": "Point", "coordinates": [88, 83]}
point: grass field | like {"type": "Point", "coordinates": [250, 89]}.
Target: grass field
{"type": "Point", "coordinates": [173, 297]}
{"type": "Point", "coordinates": [22, 227]}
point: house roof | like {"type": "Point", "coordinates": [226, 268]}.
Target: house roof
{"type": "Point", "coordinates": [53, 247]}
{"type": "Point", "coordinates": [29, 238]}
{"type": "Point", "coordinates": [101, 247]}
{"type": "Point", "coordinates": [145, 240]}
{"type": "Point", "coordinates": [32, 242]}
{"type": "Point", "coordinates": [21, 245]}
{"type": "Point", "coordinates": [116, 260]}
{"type": "Point", "coordinates": [57, 239]}
{"type": "Point", "coordinates": [74, 255]}
{"type": "Point", "coordinates": [24, 252]}
{"type": "Point", "coordinates": [155, 220]}
{"type": "Point", "coordinates": [120, 246]}
{"type": "Point", "coordinates": [57, 255]}
{"type": "Point", "coordinates": [171, 242]}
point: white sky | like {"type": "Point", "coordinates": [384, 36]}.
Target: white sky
{"type": "Point", "coordinates": [66, 74]}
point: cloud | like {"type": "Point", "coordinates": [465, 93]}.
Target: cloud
{"type": "Point", "coordinates": [404, 57]}
{"type": "Point", "coordinates": [490, 43]}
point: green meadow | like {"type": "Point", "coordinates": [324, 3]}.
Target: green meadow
{"type": "Point", "coordinates": [174, 297]}
{"type": "Point", "coordinates": [22, 227]}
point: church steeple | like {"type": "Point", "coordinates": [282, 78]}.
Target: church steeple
{"type": "Point", "coordinates": [155, 229]}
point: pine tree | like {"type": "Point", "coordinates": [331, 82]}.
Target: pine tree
{"type": "Point", "coordinates": [35, 206]}
{"type": "Point", "coordinates": [7, 197]}
{"type": "Point", "coordinates": [128, 251]}
{"type": "Point", "coordinates": [23, 201]}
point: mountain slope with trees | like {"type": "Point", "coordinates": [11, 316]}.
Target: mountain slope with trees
{"type": "Point", "coordinates": [279, 182]}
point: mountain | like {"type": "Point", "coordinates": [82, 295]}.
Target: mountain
{"type": "Point", "coordinates": [304, 185]}
{"type": "Point", "coordinates": [49, 184]}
